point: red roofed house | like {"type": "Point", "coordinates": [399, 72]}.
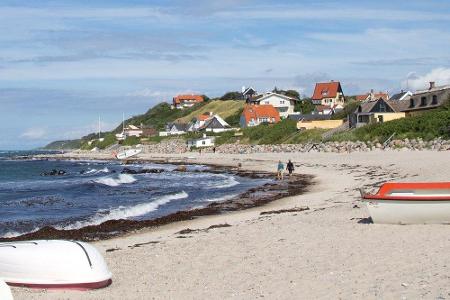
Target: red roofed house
{"type": "Point", "coordinates": [183, 101]}
{"type": "Point", "coordinates": [329, 94]}
{"type": "Point", "coordinates": [254, 115]}
{"type": "Point", "coordinates": [373, 96]}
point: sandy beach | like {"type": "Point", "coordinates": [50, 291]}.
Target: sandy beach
{"type": "Point", "coordinates": [329, 251]}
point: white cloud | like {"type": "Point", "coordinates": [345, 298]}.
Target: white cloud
{"type": "Point", "coordinates": [34, 133]}
{"type": "Point", "coordinates": [416, 82]}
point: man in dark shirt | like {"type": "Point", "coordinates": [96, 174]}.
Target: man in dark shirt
{"type": "Point", "coordinates": [290, 167]}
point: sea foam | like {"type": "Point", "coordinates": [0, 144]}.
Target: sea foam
{"type": "Point", "coordinates": [111, 181]}
{"type": "Point", "coordinates": [125, 212]}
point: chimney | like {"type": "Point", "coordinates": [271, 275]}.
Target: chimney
{"type": "Point", "coordinates": [432, 85]}
{"type": "Point", "coordinates": [371, 91]}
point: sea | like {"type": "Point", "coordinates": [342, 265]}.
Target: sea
{"type": "Point", "coordinates": [92, 192]}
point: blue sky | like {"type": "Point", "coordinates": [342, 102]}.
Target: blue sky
{"type": "Point", "coordinates": [63, 63]}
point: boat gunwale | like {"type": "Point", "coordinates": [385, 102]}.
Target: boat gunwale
{"type": "Point", "coordinates": [388, 187]}
{"type": "Point", "coordinates": [369, 198]}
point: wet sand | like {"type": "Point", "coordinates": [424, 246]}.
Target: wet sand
{"type": "Point", "coordinates": [319, 244]}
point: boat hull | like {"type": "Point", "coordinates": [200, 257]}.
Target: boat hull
{"type": "Point", "coordinates": [55, 264]}
{"type": "Point", "coordinates": [409, 212]}
{"type": "Point", "coordinates": [128, 153]}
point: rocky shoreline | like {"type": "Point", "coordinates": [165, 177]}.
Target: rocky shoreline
{"type": "Point", "coordinates": [179, 146]}
{"type": "Point", "coordinates": [258, 196]}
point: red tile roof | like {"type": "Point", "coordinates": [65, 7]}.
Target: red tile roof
{"type": "Point", "coordinates": [203, 117]}
{"type": "Point", "coordinates": [260, 111]}
{"type": "Point", "coordinates": [181, 98]}
{"type": "Point", "coordinates": [326, 90]}
{"type": "Point", "coordinates": [379, 95]}
{"type": "Point", "coordinates": [376, 96]}
{"type": "Point", "coordinates": [362, 97]}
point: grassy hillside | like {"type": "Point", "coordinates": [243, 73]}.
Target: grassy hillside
{"type": "Point", "coordinates": [224, 109]}
{"type": "Point", "coordinates": [161, 114]}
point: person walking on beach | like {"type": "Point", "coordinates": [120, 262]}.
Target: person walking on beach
{"type": "Point", "coordinates": [280, 170]}
{"type": "Point", "coordinates": [290, 168]}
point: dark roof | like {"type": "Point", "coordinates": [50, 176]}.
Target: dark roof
{"type": "Point", "coordinates": [178, 126]}
{"type": "Point", "coordinates": [398, 96]}
{"type": "Point", "coordinates": [367, 106]}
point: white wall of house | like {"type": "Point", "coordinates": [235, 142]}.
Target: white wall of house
{"type": "Point", "coordinates": [284, 105]}
{"type": "Point", "coordinates": [133, 132]}
{"type": "Point", "coordinates": [331, 101]}
{"type": "Point", "coordinates": [203, 142]}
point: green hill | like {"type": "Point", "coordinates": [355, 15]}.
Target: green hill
{"type": "Point", "coordinates": [224, 109]}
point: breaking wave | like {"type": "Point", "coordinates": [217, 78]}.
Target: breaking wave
{"type": "Point", "coordinates": [228, 182]}
{"type": "Point", "coordinates": [111, 181]}
{"type": "Point", "coordinates": [95, 171]}
{"type": "Point", "coordinates": [125, 212]}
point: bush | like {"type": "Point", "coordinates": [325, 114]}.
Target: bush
{"type": "Point", "coordinates": [233, 120]}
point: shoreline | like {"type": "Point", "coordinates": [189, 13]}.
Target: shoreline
{"type": "Point", "coordinates": [253, 197]}
{"type": "Point", "coordinates": [280, 251]}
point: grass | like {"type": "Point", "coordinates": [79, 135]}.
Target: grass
{"type": "Point", "coordinates": [224, 109]}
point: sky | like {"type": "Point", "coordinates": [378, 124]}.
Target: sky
{"type": "Point", "coordinates": [65, 63]}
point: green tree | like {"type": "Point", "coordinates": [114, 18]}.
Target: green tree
{"type": "Point", "coordinates": [305, 106]}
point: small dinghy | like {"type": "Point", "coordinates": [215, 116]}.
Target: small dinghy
{"type": "Point", "coordinates": [127, 153]}
{"type": "Point", "coordinates": [410, 203]}
{"type": "Point", "coordinates": [55, 264]}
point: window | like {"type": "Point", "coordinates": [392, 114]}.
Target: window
{"type": "Point", "coordinates": [281, 101]}
{"type": "Point", "coordinates": [359, 109]}
{"type": "Point", "coordinates": [434, 101]}
{"type": "Point", "coordinates": [266, 102]}
{"type": "Point", "coordinates": [423, 101]}
{"type": "Point", "coordinates": [380, 119]}
{"type": "Point", "coordinates": [411, 102]}
{"type": "Point", "coordinates": [382, 106]}
{"type": "Point", "coordinates": [203, 142]}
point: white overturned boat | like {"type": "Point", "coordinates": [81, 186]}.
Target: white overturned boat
{"type": "Point", "coordinates": [410, 203]}
{"type": "Point", "coordinates": [5, 291]}
{"type": "Point", "coordinates": [55, 264]}
{"type": "Point", "coordinates": [125, 154]}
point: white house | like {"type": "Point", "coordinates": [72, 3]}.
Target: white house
{"type": "Point", "coordinates": [283, 104]}
{"type": "Point", "coordinates": [132, 130]}
{"type": "Point", "coordinates": [205, 141]}
{"type": "Point", "coordinates": [199, 121]}
{"type": "Point", "coordinates": [216, 124]}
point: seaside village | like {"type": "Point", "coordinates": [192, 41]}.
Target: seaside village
{"type": "Point", "coordinates": [326, 109]}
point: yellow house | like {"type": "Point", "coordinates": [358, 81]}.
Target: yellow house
{"type": "Point", "coordinates": [320, 124]}
{"type": "Point", "coordinates": [376, 111]}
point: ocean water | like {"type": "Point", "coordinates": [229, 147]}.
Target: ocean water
{"type": "Point", "coordinates": [92, 192]}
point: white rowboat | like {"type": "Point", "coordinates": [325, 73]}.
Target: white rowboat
{"type": "Point", "coordinates": [128, 153]}
{"type": "Point", "coordinates": [410, 203]}
{"type": "Point", "coordinates": [55, 264]}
